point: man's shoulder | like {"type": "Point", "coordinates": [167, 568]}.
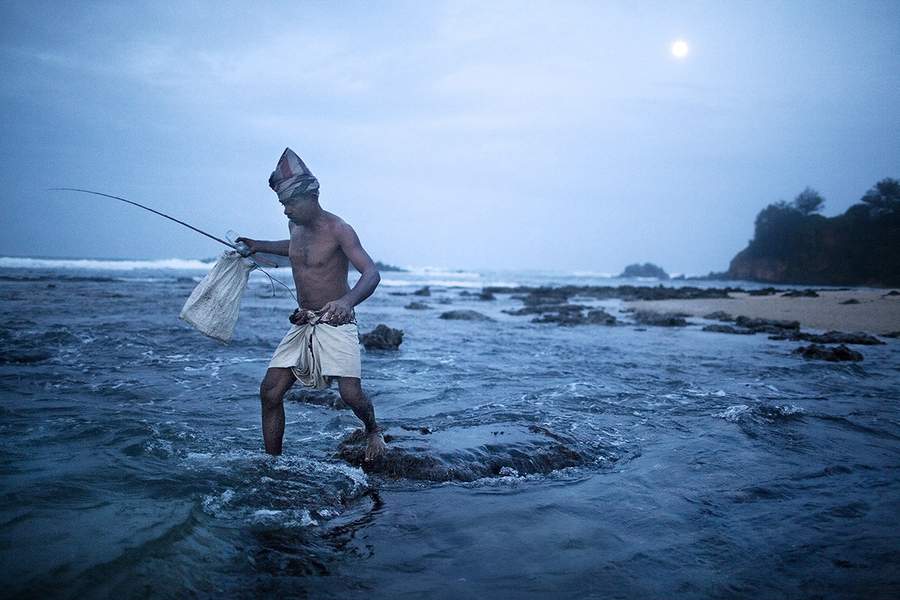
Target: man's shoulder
{"type": "Point", "coordinates": [337, 225]}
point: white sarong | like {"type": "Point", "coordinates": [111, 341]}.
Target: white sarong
{"type": "Point", "coordinates": [316, 352]}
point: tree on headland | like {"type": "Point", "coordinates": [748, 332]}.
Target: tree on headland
{"type": "Point", "coordinates": [792, 243]}
{"type": "Point", "coordinates": [809, 201]}
{"type": "Point", "coordinates": [884, 196]}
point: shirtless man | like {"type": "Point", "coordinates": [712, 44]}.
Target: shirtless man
{"type": "Point", "coordinates": [320, 249]}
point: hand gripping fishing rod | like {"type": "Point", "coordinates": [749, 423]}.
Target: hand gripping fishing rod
{"type": "Point", "coordinates": [242, 248]}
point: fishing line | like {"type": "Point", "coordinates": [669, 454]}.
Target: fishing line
{"type": "Point", "coordinates": [240, 247]}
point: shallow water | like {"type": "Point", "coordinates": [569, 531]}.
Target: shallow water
{"type": "Point", "coordinates": [574, 462]}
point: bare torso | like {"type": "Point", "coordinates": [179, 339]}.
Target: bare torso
{"type": "Point", "coordinates": [318, 263]}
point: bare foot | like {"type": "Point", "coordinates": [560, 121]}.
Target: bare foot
{"type": "Point", "coordinates": [375, 446]}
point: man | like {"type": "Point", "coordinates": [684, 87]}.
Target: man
{"type": "Point", "coordinates": [323, 343]}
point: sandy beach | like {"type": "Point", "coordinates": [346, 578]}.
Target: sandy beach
{"type": "Point", "coordinates": [875, 313]}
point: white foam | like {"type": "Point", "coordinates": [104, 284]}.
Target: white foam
{"type": "Point", "coordinates": [178, 264]}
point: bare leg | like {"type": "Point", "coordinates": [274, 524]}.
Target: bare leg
{"type": "Point", "coordinates": [271, 393]}
{"type": "Point", "coordinates": [353, 396]}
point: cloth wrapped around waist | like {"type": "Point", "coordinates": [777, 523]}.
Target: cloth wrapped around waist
{"type": "Point", "coordinates": [316, 351]}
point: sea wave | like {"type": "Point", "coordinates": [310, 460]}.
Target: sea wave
{"type": "Point", "coordinates": [179, 264]}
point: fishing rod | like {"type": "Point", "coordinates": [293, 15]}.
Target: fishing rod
{"type": "Point", "coordinates": [242, 248]}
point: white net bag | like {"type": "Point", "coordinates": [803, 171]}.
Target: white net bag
{"type": "Point", "coordinates": [214, 304]}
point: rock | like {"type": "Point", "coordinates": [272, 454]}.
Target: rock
{"type": "Point", "coordinates": [831, 337]}
{"type": "Point", "coordinates": [800, 294]}
{"type": "Point", "coordinates": [576, 317]}
{"type": "Point", "coordinates": [728, 329]}
{"type": "Point", "coordinates": [486, 296]}
{"type": "Point", "coordinates": [719, 315]}
{"type": "Point", "coordinates": [546, 296]}
{"type": "Point", "coordinates": [444, 301]}
{"type": "Point", "coordinates": [767, 325]}
{"type": "Point", "coordinates": [655, 319]}
{"type": "Point", "coordinates": [763, 292]}
{"type": "Point", "coordinates": [891, 334]}
{"type": "Point", "coordinates": [836, 354]}
{"type": "Point", "coordinates": [417, 306]}
{"type": "Point", "coordinates": [23, 356]}
{"type": "Point", "coordinates": [425, 291]}
{"type": "Point", "coordinates": [850, 301]}
{"type": "Point", "coordinates": [382, 338]}
{"type": "Point", "coordinates": [326, 397]}
{"type": "Point", "coordinates": [464, 453]}
{"type": "Point", "coordinates": [891, 293]}
{"type": "Point", "coordinates": [465, 315]}
{"type": "Point", "coordinates": [600, 317]}
{"type": "Point", "coordinates": [386, 267]}
{"type": "Point", "coordinates": [547, 308]}
{"type": "Point", "coordinates": [645, 270]}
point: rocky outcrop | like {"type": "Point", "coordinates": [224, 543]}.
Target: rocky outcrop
{"type": "Point", "coordinates": [465, 315]}
{"type": "Point", "coordinates": [831, 337]}
{"type": "Point", "coordinates": [644, 270]}
{"type": "Point", "coordinates": [728, 329]}
{"type": "Point", "coordinates": [645, 317]}
{"type": "Point", "coordinates": [382, 338]}
{"type": "Point", "coordinates": [793, 245]}
{"type": "Point", "coordinates": [837, 354]}
{"type": "Point", "coordinates": [465, 453]}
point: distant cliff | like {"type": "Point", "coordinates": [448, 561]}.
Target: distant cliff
{"type": "Point", "coordinates": [792, 243]}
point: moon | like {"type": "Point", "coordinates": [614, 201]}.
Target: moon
{"type": "Point", "coordinates": [679, 49]}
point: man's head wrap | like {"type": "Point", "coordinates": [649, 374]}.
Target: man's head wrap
{"type": "Point", "coordinates": [291, 178]}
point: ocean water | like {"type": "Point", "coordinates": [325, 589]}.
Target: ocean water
{"type": "Point", "coordinates": [551, 462]}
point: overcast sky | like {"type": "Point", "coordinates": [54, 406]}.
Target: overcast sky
{"type": "Point", "coordinates": [561, 135]}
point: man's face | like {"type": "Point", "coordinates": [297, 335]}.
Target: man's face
{"type": "Point", "coordinates": [300, 210]}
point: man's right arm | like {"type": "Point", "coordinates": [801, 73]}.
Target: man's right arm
{"type": "Point", "coordinates": [279, 247]}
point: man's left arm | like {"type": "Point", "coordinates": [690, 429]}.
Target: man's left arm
{"type": "Point", "coordinates": [340, 310]}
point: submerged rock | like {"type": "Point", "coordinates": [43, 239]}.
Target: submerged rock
{"type": "Point", "coordinates": [464, 453]}
{"type": "Point", "coordinates": [487, 296]}
{"type": "Point", "coordinates": [382, 338]}
{"type": "Point", "coordinates": [465, 315]}
{"type": "Point", "coordinates": [850, 301]}
{"type": "Point", "coordinates": [836, 354]}
{"type": "Point", "coordinates": [425, 291]}
{"type": "Point", "coordinates": [417, 306]}
{"type": "Point", "coordinates": [646, 317]}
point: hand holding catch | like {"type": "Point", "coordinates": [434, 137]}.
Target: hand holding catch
{"type": "Point", "coordinates": [337, 312]}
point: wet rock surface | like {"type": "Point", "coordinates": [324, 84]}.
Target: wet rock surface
{"type": "Point", "coordinates": [832, 337]}
{"type": "Point", "coordinates": [465, 453]}
{"type": "Point", "coordinates": [465, 315]}
{"type": "Point", "coordinates": [645, 317]}
{"type": "Point", "coordinates": [425, 291]}
{"type": "Point", "coordinates": [728, 329]}
{"type": "Point", "coordinates": [837, 354]}
{"type": "Point", "coordinates": [767, 325]}
{"type": "Point", "coordinates": [382, 338]}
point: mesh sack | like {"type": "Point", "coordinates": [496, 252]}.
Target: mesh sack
{"type": "Point", "coordinates": [214, 304]}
